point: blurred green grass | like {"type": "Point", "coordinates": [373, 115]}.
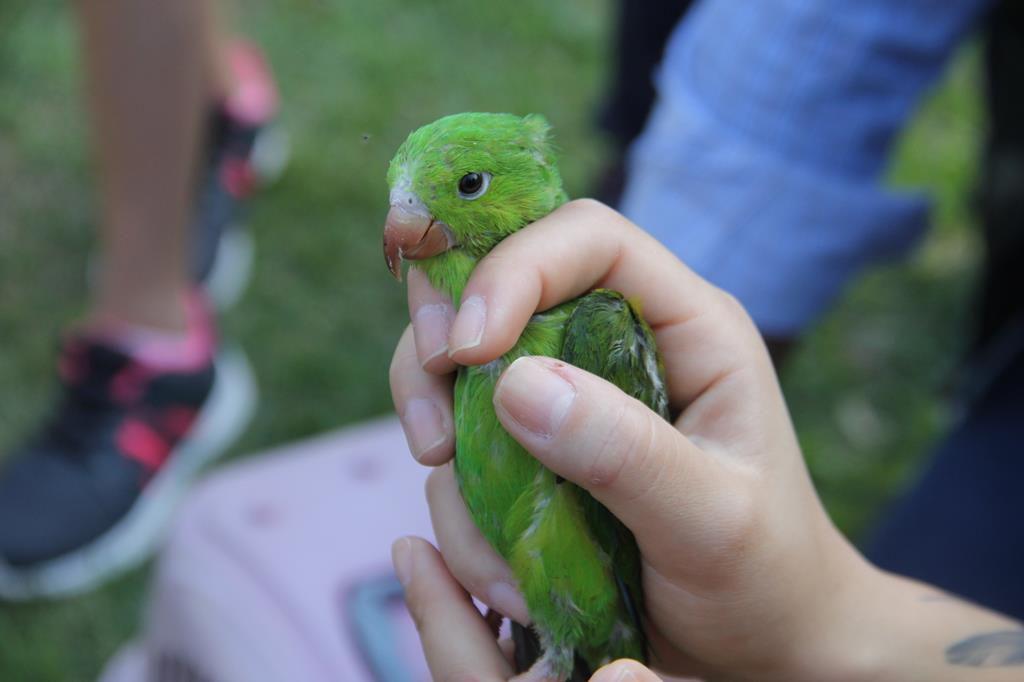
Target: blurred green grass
{"type": "Point", "coordinates": [321, 315]}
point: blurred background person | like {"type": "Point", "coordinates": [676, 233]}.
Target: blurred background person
{"type": "Point", "coordinates": [761, 165]}
{"type": "Point", "coordinates": [146, 394]}
{"type": "Point", "coordinates": [641, 30]}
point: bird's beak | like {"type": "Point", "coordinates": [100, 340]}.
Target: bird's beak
{"type": "Point", "coordinates": [413, 236]}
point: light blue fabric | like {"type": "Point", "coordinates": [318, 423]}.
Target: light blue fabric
{"type": "Point", "coordinates": [761, 165]}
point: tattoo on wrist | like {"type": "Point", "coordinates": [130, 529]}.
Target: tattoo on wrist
{"type": "Point", "coordinates": [1000, 649]}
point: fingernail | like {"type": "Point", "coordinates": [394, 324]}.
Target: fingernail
{"type": "Point", "coordinates": [401, 557]}
{"type": "Point", "coordinates": [534, 396]}
{"type": "Point", "coordinates": [506, 600]}
{"type": "Point", "coordinates": [468, 328]}
{"type": "Point", "coordinates": [432, 324]}
{"type": "Point", "coordinates": [424, 426]}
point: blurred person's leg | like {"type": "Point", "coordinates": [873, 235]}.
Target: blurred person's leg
{"type": "Point", "coordinates": [178, 110]}
{"type": "Point", "coordinates": [149, 81]}
{"type": "Point", "coordinates": [145, 398]}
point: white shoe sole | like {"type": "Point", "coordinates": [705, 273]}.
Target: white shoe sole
{"type": "Point", "coordinates": [134, 538]}
{"type": "Point", "coordinates": [232, 268]}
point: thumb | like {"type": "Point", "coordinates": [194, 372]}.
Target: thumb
{"type": "Point", "coordinates": [668, 491]}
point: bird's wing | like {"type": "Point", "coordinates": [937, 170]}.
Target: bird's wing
{"type": "Point", "coordinates": [607, 336]}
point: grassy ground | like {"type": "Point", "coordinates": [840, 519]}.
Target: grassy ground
{"type": "Point", "coordinates": [321, 315]}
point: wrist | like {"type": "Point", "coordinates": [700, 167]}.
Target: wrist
{"type": "Point", "coordinates": [849, 633]}
{"type": "Point", "coordinates": [837, 638]}
{"type": "Point", "coordinates": [813, 629]}
{"type": "Point", "coordinates": [882, 626]}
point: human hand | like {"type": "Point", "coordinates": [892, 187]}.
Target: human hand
{"type": "Point", "coordinates": [460, 644]}
{"type": "Point", "coordinates": [744, 574]}
{"type": "Point", "coordinates": [740, 560]}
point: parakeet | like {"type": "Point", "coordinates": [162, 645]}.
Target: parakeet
{"type": "Point", "coordinates": [458, 186]}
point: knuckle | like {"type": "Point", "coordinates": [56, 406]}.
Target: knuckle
{"type": "Point", "coordinates": [597, 211]}
{"type": "Point", "coordinates": [625, 444]}
{"type": "Point", "coordinates": [648, 463]}
{"type": "Point", "coordinates": [586, 204]}
{"type": "Point", "coordinates": [734, 314]}
{"type": "Point", "coordinates": [592, 210]}
{"type": "Point", "coordinates": [736, 311]}
{"type": "Point", "coordinates": [434, 485]}
{"type": "Point", "coordinates": [443, 514]}
{"type": "Point", "coordinates": [399, 360]}
{"type": "Point", "coordinates": [395, 377]}
{"type": "Point", "coordinates": [731, 303]}
{"type": "Point", "coordinates": [606, 464]}
{"type": "Point", "coordinates": [460, 545]}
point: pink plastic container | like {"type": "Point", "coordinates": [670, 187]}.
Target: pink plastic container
{"type": "Point", "coordinates": [278, 568]}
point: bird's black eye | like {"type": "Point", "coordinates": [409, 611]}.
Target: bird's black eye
{"type": "Point", "coordinates": [473, 185]}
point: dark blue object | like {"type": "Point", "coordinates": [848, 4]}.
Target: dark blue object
{"type": "Point", "coordinates": [961, 527]}
{"type": "Point", "coordinates": [370, 607]}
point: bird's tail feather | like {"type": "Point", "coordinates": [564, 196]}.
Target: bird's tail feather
{"type": "Point", "coordinates": [527, 647]}
{"type": "Point", "coordinates": [528, 650]}
{"type": "Point", "coordinates": [581, 672]}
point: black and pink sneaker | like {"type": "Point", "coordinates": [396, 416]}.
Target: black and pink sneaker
{"type": "Point", "coordinates": [246, 151]}
{"type": "Point", "coordinates": [90, 494]}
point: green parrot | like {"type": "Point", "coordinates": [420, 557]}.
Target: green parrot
{"type": "Point", "coordinates": [458, 187]}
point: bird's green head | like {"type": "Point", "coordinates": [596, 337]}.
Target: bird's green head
{"type": "Point", "coordinates": [463, 183]}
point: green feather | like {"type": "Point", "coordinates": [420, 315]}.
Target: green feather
{"type": "Point", "coordinates": [577, 566]}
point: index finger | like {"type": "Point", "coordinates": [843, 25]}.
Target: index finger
{"type": "Point", "coordinates": [703, 334]}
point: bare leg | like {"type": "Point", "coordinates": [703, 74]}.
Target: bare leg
{"type": "Point", "coordinates": [150, 78]}
{"type": "Point", "coordinates": [155, 69]}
